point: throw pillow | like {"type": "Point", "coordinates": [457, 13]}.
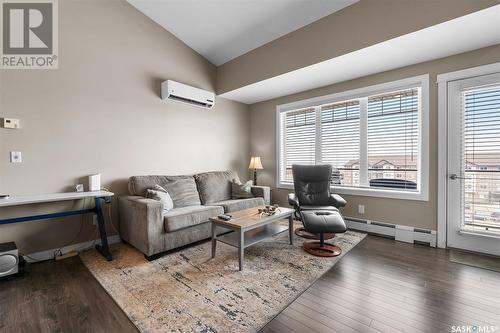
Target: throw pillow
{"type": "Point", "coordinates": [241, 191]}
{"type": "Point", "coordinates": [160, 194]}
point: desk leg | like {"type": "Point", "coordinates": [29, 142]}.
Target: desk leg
{"type": "Point", "coordinates": [104, 247]}
{"type": "Point", "coordinates": [290, 228]}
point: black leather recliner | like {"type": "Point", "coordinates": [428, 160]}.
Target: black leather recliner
{"type": "Point", "coordinates": [317, 206]}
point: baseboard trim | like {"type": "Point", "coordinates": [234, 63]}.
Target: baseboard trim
{"type": "Point", "coordinates": [397, 232]}
{"type": "Point", "coordinates": [49, 254]}
{"type": "Point", "coordinates": [394, 231]}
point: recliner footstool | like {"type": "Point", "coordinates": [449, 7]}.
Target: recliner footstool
{"type": "Point", "coordinates": [321, 222]}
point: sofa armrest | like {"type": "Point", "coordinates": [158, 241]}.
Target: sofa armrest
{"type": "Point", "coordinates": [337, 201]}
{"type": "Point", "coordinates": [263, 192]}
{"type": "Point", "coordinates": [141, 222]}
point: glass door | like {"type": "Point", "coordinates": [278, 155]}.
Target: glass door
{"type": "Point", "coordinates": [474, 164]}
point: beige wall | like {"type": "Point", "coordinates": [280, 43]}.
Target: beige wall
{"type": "Point", "coordinates": [101, 112]}
{"type": "Point", "coordinates": [365, 23]}
{"type": "Point", "coordinates": [406, 212]}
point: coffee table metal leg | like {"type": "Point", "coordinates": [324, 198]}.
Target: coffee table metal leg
{"type": "Point", "coordinates": [214, 239]}
{"type": "Point", "coordinates": [290, 228]}
{"type": "Point", "coordinates": [241, 248]}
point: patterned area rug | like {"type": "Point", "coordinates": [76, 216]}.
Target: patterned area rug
{"type": "Point", "coordinates": [187, 291]}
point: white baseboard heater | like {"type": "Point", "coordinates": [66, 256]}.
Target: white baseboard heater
{"type": "Point", "coordinates": [397, 232]}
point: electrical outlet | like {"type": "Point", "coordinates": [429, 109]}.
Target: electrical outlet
{"type": "Point", "coordinates": [94, 219]}
{"type": "Point", "coordinates": [16, 157]}
{"type": "Point", "coordinates": [361, 209]}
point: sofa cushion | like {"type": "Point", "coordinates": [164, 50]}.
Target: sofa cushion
{"type": "Point", "coordinates": [182, 189]}
{"type": "Point", "coordinates": [185, 217]}
{"type": "Point", "coordinates": [239, 204]}
{"type": "Point", "coordinates": [215, 186]}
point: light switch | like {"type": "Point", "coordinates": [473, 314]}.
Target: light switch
{"type": "Point", "coordinates": [16, 157]}
{"type": "Point", "coordinates": [361, 209]}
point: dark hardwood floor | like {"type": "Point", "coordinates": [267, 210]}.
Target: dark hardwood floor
{"type": "Point", "coordinates": [59, 297]}
{"type": "Point", "coordinates": [379, 286]}
{"type": "Point", "coordinates": [387, 286]}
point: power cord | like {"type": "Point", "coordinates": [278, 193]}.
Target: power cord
{"type": "Point", "coordinates": [111, 220]}
{"type": "Point", "coordinates": [94, 237]}
{"type": "Point", "coordinates": [95, 234]}
{"type": "Point", "coordinates": [33, 260]}
{"type": "Point", "coordinates": [59, 250]}
{"type": "Point", "coordinates": [115, 229]}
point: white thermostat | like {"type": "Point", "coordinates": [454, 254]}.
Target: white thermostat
{"type": "Point", "coordinates": [10, 123]}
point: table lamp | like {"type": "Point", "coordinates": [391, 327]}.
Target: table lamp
{"type": "Point", "coordinates": [255, 164]}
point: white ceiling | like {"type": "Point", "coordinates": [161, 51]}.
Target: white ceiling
{"type": "Point", "coordinates": [221, 30]}
{"type": "Point", "coordinates": [469, 32]}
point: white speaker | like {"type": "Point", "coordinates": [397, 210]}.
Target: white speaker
{"type": "Point", "coordinates": [9, 259]}
{"type": "Point", "coordinates": [95, 182]}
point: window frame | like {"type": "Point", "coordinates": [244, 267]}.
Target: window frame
{"type": "Point", "coordinates": [422, 81]}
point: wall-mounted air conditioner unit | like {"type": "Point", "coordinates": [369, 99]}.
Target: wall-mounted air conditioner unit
{"type": "Point", "coordinates": [175, 91]}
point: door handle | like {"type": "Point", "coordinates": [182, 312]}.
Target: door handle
{"type": "Point", "coordinates": [454, 176]}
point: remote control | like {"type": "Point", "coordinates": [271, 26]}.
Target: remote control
{"type": "Point", "coordinates": [225, 217]}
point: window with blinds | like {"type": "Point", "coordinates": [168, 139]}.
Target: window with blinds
{"type": "Point", "coordinates": [393, 139]}
{"type": "Point", "coordinates": [372, 141]}
{"type": "Point", "coordinates": [481, 157]}
{"type": "Point", "coordinates": [340, 141]}
{"type": "Point", "coordinates": [299, 140]}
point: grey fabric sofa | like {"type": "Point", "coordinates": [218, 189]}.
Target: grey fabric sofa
{"type": "Point", "coordinates": [145, 225]}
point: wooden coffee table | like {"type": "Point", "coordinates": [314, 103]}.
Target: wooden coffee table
{"type": "Point", "coordinates": [249, 228]}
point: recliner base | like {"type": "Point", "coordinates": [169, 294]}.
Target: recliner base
{"type": "Point", "coordinates": [302, 232]}
{"type": "Point", "coordinates": [325, 250]}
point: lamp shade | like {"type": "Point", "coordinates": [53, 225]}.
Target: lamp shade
{"type": "Point", "coordinates": [255, 163]}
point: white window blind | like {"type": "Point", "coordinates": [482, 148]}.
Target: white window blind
{"type": "Point", "coordinates": [393, 139]}
{"type": "Point", "coordinates": [372, 140]}
{"type": "Point", "coordinates": [340, 141]}
{"type": "Point", "coordinates": [481, 158]}
{"type": "Point", "coordinates": [299, 141]}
